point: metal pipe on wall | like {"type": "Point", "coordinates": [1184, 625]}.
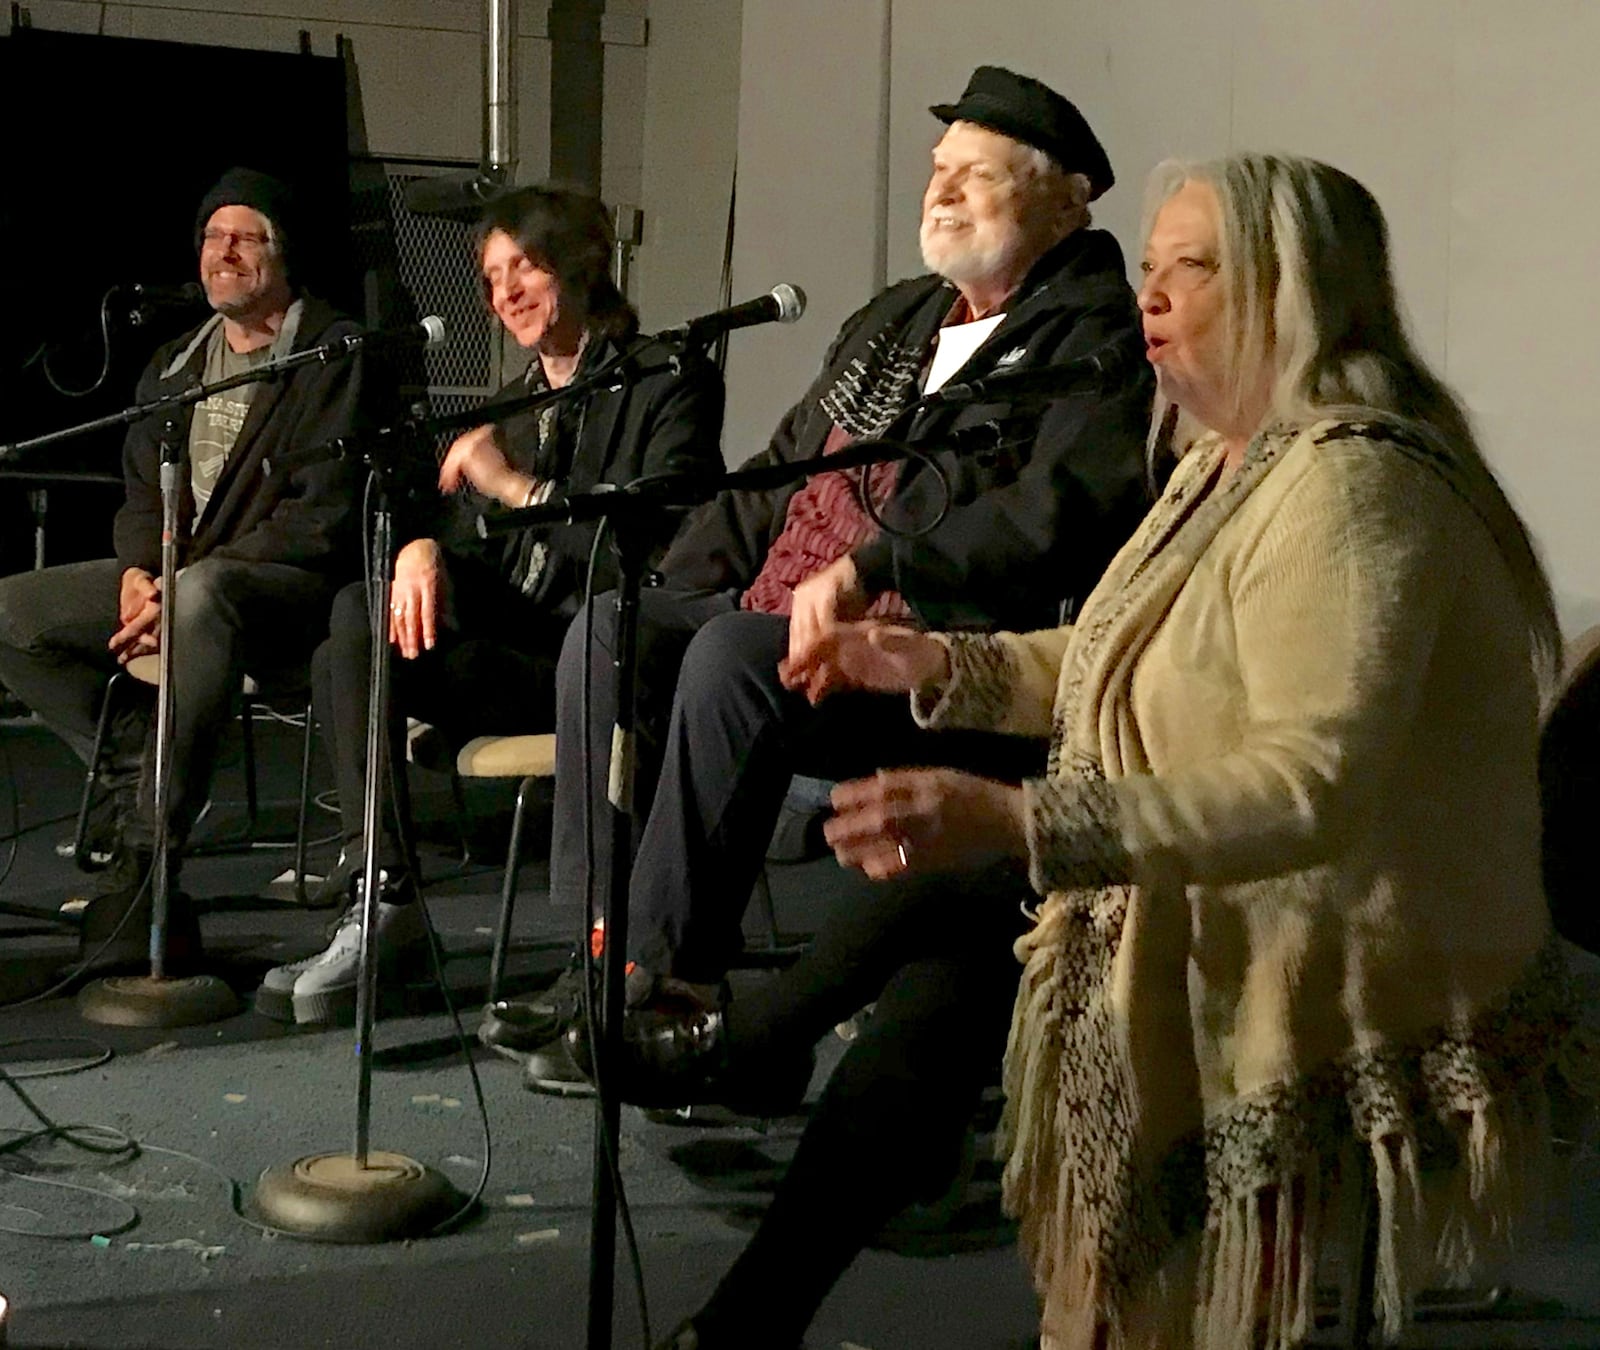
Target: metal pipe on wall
{"type": "Point", "coordinates": [500, 88]}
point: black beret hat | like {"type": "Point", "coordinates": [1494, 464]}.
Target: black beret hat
{"type": "Point", "coordinates": [260, 192]}
{"type": "Point", "coordinates": [1033, 113]}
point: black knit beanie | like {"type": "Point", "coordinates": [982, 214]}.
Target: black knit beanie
{"type": "Point", "coordinates": [261, 192]}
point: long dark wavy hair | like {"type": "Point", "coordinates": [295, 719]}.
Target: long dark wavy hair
{"type": "Point", "coordinates": [568, 233]}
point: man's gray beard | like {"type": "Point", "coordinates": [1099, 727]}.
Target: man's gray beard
{"type": "Point", "coordinates": [965, 263]}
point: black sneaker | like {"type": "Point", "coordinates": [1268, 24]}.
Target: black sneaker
{"type": "Point", "coordinates": [517, 1027]}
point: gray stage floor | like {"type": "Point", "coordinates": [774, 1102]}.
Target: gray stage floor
{"type": "Point", "coordinates": [212, 1106]}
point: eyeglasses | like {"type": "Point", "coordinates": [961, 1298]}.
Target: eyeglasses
{"type": "Point", "coordinates": [248, 240]}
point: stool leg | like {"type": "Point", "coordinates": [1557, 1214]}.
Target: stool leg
{"type": "Point", "coordinates": [508, 892]}
{"type": "Point", "coordinates": [459, 798]}
{"type": "Point", "coordinates": [769, 916]}
{"type": "Point", "coordinates": [247, 733]}
{"type": "Point", "coordinates": [305, 802]}
{"type": "Point", "coordinates": [93, 771]}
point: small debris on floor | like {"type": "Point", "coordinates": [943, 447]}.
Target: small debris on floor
{"type": "Point", "coordinates": [537, 1235]}
{"type": "Point", "coordinates": [200, 1249]}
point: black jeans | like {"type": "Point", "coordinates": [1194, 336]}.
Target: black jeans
{"type": "Point", "coordinates": [718, 739]}
{"type": "Point", "coordinates": [888, 1129]}
{"type": "Point", "coordinates": [492, 673]}
{"type": "Point", "coordinates": [228, 617]}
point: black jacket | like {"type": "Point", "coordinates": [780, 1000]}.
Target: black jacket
{"type": "Point", "coordinates": [1028, 531]}
{"type": "Point", "coordinates": [283, 496]}
{"type": "Point", "coordinates": [666, 423]}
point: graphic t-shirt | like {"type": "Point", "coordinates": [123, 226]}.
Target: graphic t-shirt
{"type": "Point", "coordinates": [217, 419]}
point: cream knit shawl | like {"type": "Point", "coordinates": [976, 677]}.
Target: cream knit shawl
{"type": "Point", "coordinates": [1260, 982]}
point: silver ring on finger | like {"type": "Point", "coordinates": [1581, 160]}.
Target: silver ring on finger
{"type": "Point", "coordinates": [902, 851]}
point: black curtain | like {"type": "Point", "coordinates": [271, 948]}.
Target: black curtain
{"type": "Point", "coordinates": [109, 144]}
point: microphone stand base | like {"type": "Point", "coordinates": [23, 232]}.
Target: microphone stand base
{"type": "Point", "coordinates": [144, 1001]}
{"type": "Point", "coordinates": [327, 1197]}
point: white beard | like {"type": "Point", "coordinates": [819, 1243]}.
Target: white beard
{"type": "Point", "coordinates": [967, 258]}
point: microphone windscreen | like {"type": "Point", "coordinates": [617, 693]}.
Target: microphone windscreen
{"type": "Point", "coordinates": [791, 301]}
{"type": "Point", "coordinates": [453, 196]}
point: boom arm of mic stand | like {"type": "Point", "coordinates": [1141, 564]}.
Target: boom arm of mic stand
{"type": "Point", "coordinates": [137, 412]}
{"type": "Point", "coordinates": [621, 372]}
{"type": "Point", "coordinates": [683, 490]}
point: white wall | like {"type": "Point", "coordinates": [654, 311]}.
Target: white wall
{"type": "Point", "coordinates": [691, 140]}
{"type": "Point", "coordinates": [1472, 121]}
{"type": "Point", "coordinates": [811, 191]}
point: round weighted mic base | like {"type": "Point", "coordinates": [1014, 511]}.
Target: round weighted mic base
{"type": "Point", "coordinates": [148, 1001]}
{"type": "Point", "coordinates": [330, 1198]}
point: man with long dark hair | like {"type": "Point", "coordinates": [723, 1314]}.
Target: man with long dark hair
{"type": "Point", "coordinates": [478, 624]}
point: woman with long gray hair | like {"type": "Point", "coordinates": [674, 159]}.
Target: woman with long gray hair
{"type": "Point", "coordinates": [1290, 951]}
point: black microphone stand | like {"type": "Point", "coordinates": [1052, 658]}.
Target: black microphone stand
{"type": "Point", "coordinates": [363, 1195]}
{"type": "Point", "coordinates": [645, 498]}
{"type": "Point", "coordinates": [158, 1000]}
{"type": "Point", "coordinates": [349, 1197]}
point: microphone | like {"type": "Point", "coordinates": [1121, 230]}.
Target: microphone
{"type": "Point", "coordinates": [1101, 369]}
{"type": "Point", "coordinates": [148, 299]}
{"type": "Point", "coordinates": [782, 304]}
{"type": "Point", "coordinates": [452, 196]}
{"type": "Point", "coordinates": [428, 333]}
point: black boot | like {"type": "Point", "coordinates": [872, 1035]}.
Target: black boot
{"type": "Point", "coordinates": [114, 932]}
{"type": "Point", "coordinates": [678, 1053]}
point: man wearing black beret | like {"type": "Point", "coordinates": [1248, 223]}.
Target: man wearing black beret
{"type": "Point", "coordinates": [267, 534]}
{"type": "Point", "coordinates": [756, 584]}
{"type": "Point", "coordinates": [1017, 280]}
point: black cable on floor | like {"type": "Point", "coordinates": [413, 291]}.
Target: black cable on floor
{"type": "Point", "coordinates": [86, 963]}
{"type": "Point", "coordinates": [97, 1139]}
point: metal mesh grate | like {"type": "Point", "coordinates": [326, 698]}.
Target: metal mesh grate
{"type": "Point", "coordinates": [418, 265]}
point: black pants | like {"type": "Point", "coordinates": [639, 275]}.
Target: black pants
{"type": "Point", "coordinates": [228, 617]}
{"type": "Point", "coordinates": [888, 1130]}
{"type": "Point", "coordinates": [491, 673]}
{"type": "Point", "coordinates": [718, 739]}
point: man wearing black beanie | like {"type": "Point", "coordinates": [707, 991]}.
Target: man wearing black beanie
{"type": "Point", "coordinates": [268, 532]}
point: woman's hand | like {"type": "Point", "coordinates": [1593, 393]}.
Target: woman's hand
{"type": "Point", "coordinates": [925, 820]}
{"type": "Point", "coordinates": [476, 457]}
{"type": "Point", "coordinates": [879, 657]}
{"type": "Point", "coordinates": [415, 598]}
